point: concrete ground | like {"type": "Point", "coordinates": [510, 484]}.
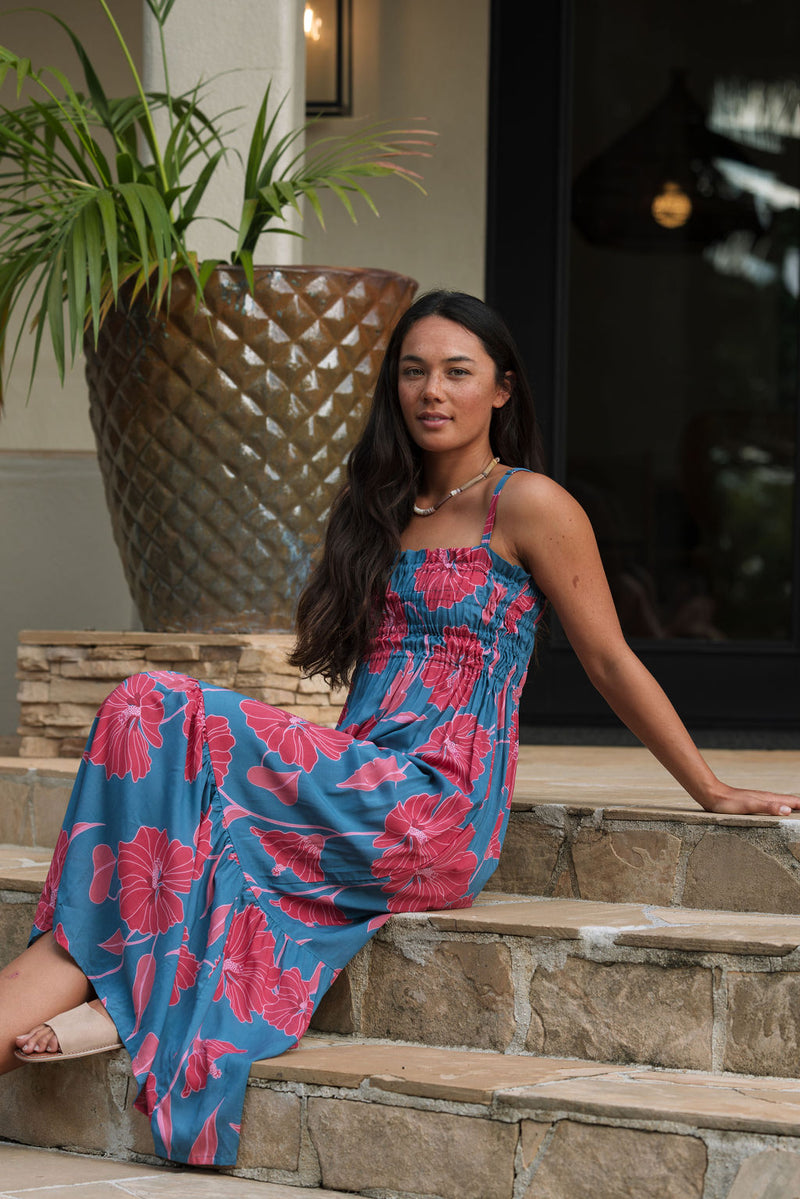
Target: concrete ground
{"type": "Point", "coordinates": [51, 1174]}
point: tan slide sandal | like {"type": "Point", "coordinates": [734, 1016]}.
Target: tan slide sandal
{"type": "Point", "coordinates": [81, 1032]}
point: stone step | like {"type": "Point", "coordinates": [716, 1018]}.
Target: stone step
{"type": "Point", "coordinates": [671, 987]}
{"type": "Point", "coordinates": [609, 824]}
{"type": "Point", "coordinates": [34, 793]}
{"type": "Point", "coordinates": [403, 1122]}
{"type": "Point", "coordinates": [587, 822]}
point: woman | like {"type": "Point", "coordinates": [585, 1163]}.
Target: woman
{"type": "Point", "coordinates": [221, 860]}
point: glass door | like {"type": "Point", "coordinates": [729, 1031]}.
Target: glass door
{"type": "Point", "coordinates": [671, 363]}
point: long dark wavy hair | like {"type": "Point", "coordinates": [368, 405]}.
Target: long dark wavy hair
{"type": "Point", "coordinates": [341, 605]}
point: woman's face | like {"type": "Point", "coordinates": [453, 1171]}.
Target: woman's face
{"type": "Point", "coordinates": [447, 386]}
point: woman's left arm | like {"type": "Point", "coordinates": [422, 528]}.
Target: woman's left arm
{"type": "Point", "coordinates": [553, 538]}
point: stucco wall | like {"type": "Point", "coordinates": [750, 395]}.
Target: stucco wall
{"type": "Point", "coordinates": [429, 58]}
{"type": "Point", "coordinates": [418, 58]}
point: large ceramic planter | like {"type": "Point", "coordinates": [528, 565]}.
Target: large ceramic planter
{"type": "Point", "coordinates": [222, 433]}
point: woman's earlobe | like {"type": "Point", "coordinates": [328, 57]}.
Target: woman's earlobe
{"type": "Point", "coordinates": [507, 386]}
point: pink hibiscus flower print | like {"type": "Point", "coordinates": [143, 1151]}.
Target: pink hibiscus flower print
{"type": "Point", "coordinates": [147, 1098]}
{"type": "Point", "coordinates": [447, 576]}
{"type": "Point", "coordinates": [294, 852]}
{"type": "Point", "coordinates": [145, 1057]}
{"type": "Point", "coordinates": [197, 728]}
{"type": "Point", "coordinates": [193, 732]}
{"type": "Point", "coordinates": [490, 607]}
{"type": "Point", "coordinates": [185, 972]}
{"type": "Point", "coordinates": [104, 862]}
{"type": "Point", "coordinates": [374, 774]}
{"type": "Point", "coordinates": [417, 830]}
{"type": "Point", "coordinates": [43, 919]}
{"type": "Point", "coordinates": [173, 680]}
{"type": "Point", "coordinates": [127, 724]}
{"type": "Point", "coordinates": [248, 964]}
{"type": "Point", "coordinates": [296, 742]}
{"type": "Point", "coordinates": [291, 1007]}
{"type": "Point", "coordinates": [315, 912]}
{"type": "Point", "coordinates": [153, 871]}
{"type": "Point", "coordinates": [361, 732]}
{"type": "Point", "coordinates": [202, 1063]}
{"type": "Point", "coordinates": [458, 748]}
{"type": "Point", "coordinates": [282, 783]}
{"type": "Point", "coordinates": [392, 629]}
{"type": "Point", "coordinates": [202, 843]}
{"type": "Point", "coordinates": [437, 883]}
{"type": "Point", "coordinates": [204, 1149]}
{"type": "Point", "coordinates": [493, 849]}
{"type": "Point", "coordinates": [220, 743]}
{"type": "Point", "coordinates": [397, 691]}
{"type": "Point", "coordinates": [453, 668]}
{"type": "Point", "coordinates": [516, 610]}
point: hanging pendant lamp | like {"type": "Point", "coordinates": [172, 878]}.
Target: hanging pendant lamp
{"type": "Point", "coordinates": [656, 189]}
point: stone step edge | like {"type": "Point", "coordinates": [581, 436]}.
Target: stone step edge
{"type": "Point", "coordinates": [670, 808]}
{"type": "Point", "coordinates": [649, 926]}
{"type": "Point", "coordinates": [507, 1084]}
{"type": "Point", "coordinates": [606, 923]}
{"type": "Point", "coordinates": [506, 1088]}
{"type": "Point", "coordinates": [495, 914]}
{"type": "Point", "coordinates": [444, 1124]}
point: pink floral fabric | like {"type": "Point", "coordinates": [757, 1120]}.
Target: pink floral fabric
{"type": "Point", "coordinates": [222, 860]}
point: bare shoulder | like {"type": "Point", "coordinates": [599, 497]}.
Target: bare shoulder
{"type": "Point", "coordinates": [529, 497]}
{"type": "Point", "coordinates": [536, 514]}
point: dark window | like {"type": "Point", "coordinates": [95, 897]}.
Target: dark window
{"type": "Point", "coordinates": [656, 300]}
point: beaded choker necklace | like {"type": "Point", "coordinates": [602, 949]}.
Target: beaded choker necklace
{"type": "Point", "coordinates": [487, 470]}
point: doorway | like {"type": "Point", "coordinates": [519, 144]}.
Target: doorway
{"type": "Point", "coordinates": [648, 261]}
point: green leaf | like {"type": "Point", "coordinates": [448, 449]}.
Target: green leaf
{"type": "Point", "coordinates": [76, 272]}
{"type": "Point", "coordinates": [130, 193]}
{"type": "Point", "coordinates": [93, 83]}
{"type": "Point", "coordinates": [207, 268]}
{"type": "Point", "coordinates": [94, 261]}
{"type": "Point", "coordinates": [249, 209]}
{"type": "Point", "coordinates": [160, 9]}
{"type": "Point", "coordinates": [55, 311]}
{"type": "Point", "coordinates": [108, 216]}
{"type": "Point", "coordinates": [23, 71]}
{"type": "Point", "coordinates": [313, 199]}
{"type": "Point", "coordinates": [287, 193]}
{"type": "Point", "coordinates": [343, 196]}
{"type": "Point", "coordinates": [126, 168]}
{"type": "Point", "coordinates": [198, 191]}
{"type": "Point", "coordinates": [246, 261]}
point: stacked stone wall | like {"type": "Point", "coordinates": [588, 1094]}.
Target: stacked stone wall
{"type": "Point", "coordinates": [65, 676]}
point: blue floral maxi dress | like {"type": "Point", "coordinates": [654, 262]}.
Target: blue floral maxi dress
{"type": "Point", "coordinates": [222, 860]}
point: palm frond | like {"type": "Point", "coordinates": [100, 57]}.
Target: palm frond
{"type": "Point", "coordinates": [335, 165]}
{"type": "Point", "coordinates": [80, 222]}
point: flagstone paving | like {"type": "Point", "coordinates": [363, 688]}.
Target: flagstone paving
{"type": "Point", "coordinates": [28, 1173]}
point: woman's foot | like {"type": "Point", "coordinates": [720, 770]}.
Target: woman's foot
{"type": "Point", "coordinates": [80, 1032]}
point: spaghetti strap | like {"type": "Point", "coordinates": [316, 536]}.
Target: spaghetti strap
{"type": "Point", "coordinates": [489, 526]}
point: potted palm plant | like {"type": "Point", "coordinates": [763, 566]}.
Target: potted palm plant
{"type": "Point", "coordinates": [224, 396]}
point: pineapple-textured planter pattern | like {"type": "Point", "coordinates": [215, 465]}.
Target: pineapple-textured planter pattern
{"type": "Point", "coordinates": [223, 430]}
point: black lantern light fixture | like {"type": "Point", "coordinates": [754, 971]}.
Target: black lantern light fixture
{"type": "Point", "coordinates": [327, 25]}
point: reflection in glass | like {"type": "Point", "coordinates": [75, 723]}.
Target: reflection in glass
{"type": "Point", "coordinates": [683, 324]}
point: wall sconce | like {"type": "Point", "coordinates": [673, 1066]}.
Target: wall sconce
{"type": "Point", "coordinates": [328, 35]}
